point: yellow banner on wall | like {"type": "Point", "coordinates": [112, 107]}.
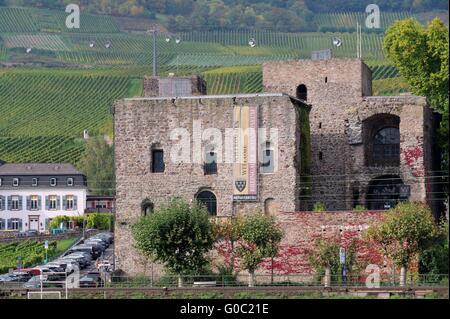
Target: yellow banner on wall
{"type": "Point", "coordinates": [246, 153]}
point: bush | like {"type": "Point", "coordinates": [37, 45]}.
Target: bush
{"type": "Point", "coordinates": [319, 207]}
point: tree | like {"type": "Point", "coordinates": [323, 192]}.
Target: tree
{"type": "Point", "coordinates": [178, 235]}
{"type": "Point", "coordinates": [325, 259]}
{"type": "Point", "coordinates": [421, 56]}
{"type": "Point", "coordinates": [259, 238]}
{"type": "Point", "coordinates": [405, 232]}
{"type": "Point", "coordinates": [97, 163]}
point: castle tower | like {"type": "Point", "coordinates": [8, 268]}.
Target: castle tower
{"type": "Point", "coordinates": [372, 151]}
{"type": "Point", "coordinates": [331, 87]}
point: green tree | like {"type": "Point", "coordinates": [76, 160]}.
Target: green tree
{"type": "Point", "coordinates": [97, 163]}
{"type": "Point", "coordinates": [178, 235]}
{"type": "Point", "coordinates": [259, 237]}
{"type": "Point", "coordinates": [325, 259]}
{"type": "Point", "coordinates": [421, 55]}
{"type": "Point", "coordinates": [406, 231]}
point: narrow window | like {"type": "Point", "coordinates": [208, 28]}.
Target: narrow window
{"type": "Point", "coordinates": [15, 203]}
{"type": "Point", "coordinates": [320, 156]}
{"type": "Point", "coordinates": [320, 125]}
{"type": "Point", "coordinates": [158, 161]}
{"type": "Point", "coordinates": [210, 166]}
{"type": "Point", "coordinates": [267, 165]}
{"type": "Point", "coordinates": [302, 92]}
{"type": "Point", "coordinates": [53, 202]}
{"type": "Point", "coordinates": [15, 182]}
{"type": "Point", "coordinates": [70, 202]}
{"type": "Point", "coordinates": [15, 224]}
{"type": "Point", "coordinates": [34, 202]}
{"type": "Point", "coordinates": [326, 79]}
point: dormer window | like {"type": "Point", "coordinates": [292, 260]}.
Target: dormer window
{"type": "Point", "coordinates": [53, 182]}
{"type": "Point", "coordinates": [1, 181]}
{"type": "Point", "coordinates": [70, 181]}
{"type": "Point", "coordinates": [34, 182]}
{"type": "Point", "coordinates": [15, 182]}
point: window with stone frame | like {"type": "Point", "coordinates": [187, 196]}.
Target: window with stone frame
{"type": "Point", "coordinates": [15, 203]}
{"type": "Point", "coordinates": [70, 202]}
{"type": "Point", "coordinates": [210, 164]}
{"type": "Point", "coordinates": [381, 136]}
{"type": "Point", "coordinates": [34, 202]}
{"type": "Point", "coordinates": [157, 165]}
{"type": "Point", "coordinates": [268, 160]}
{"type": "Point", "coordinates": [53, 202]}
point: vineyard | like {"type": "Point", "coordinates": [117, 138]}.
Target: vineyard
{"type": "Point", "coordinates": [348, 20]}
{"type": "Point", "coordinates": [42, 20]}
{"type": "Point", "coordinates": [32, 253]}
{"type": "Point", "coordinates": [99, 64]}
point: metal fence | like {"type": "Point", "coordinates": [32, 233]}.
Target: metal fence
{"type": "Point", "coordinates": [292, 280]}
{"type": "Point", "coordinates": [300, 280]}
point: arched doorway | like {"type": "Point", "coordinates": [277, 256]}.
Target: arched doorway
{"type": "Point", "coordinates": [209, 200]}
{"type": "Point", "coordinates": [302, 92]}
{"type": "Point", "coordinates": [386, 192]}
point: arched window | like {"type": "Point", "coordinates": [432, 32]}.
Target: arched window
{"type": "Point", "coordinates": [302, 92]}
{"type": "Point", "coordinates": [381, 135]}
{"type": "Point", "coordinates": [147, 207]}
{"type": "Point", "coordinates": [386, 146]}
{"type": "Point", "coordinates": [210, 165]}
{"type": "Point", "coordinates": [208, 199]}
{"type": "Point", "coordinates": [269, 206]}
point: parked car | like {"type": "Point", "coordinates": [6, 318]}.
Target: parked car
{"type": "Point", "coordinates": [86, 249]}
{"type": "Point", "coordinates": [91, 280]}
{"type": "Point", "coordinates": [82, 261]}
{"type": "Point", "coordinates": [106, 236]}
{"type": "Point", "coordinates": [68, 266]}
{"type": "Point", "coordinates": [47, 282]}
{"type": "Point", "coordinates": [97, 241]}
{"type": "Point", "coordinates": [15, 277]}
{"type": "Point", "coordinates": [95, 250]}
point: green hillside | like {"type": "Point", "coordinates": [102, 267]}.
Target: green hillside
{"type": "Point", "coordinates": [44, 110]}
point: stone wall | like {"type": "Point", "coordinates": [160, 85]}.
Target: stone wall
{"type": "Point", "coordinates": [196, 85]}
{"type": "Point", "coordinates": [332, 86]}
{"type": "Point", "coordinates": [339, 91]}
{"type": "Point", "coordinates": [142, 123]}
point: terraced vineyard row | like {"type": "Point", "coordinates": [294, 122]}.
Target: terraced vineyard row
{"type": "Point", "coordinates": [41, 149]}
{"type": "Point", "coordinates": [384, 72]}
{"type": "Point", "coordinates": [66, 104]}
{"type": "Point", "coordinates": [349, 19]}
{"type": "Point", "coordinates": [34, 20]}
{"type": "Point", "coordinates": [16, 20]}
{"type": "Point", "coordinates": [37, 41]}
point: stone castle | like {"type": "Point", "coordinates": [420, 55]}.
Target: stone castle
{"type": "Point", "coordinates": [325, 140]}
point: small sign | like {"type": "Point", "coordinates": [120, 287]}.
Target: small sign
{"type": "Point", "coordinates": [46, 245]}
{"type": "Point", "coordinates": [342, 256]}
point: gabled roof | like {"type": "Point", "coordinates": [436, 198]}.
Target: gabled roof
{"type": "Point", "coordinates": [39, 169]}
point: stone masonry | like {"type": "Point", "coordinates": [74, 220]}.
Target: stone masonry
{"type": "Point", "coordinates": [142, 123]}
{"type": "Point", "coordinates": [339, 91]}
